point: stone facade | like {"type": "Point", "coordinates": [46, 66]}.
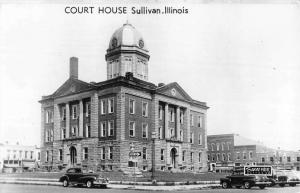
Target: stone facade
{"type": "Point", "coordinates": [97, 125]}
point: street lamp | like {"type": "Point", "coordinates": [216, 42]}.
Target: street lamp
{"type": "Point", "coordinates": [153, 136]}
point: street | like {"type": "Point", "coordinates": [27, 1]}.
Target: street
{"type": "Point", "coordinates": [17, 188]}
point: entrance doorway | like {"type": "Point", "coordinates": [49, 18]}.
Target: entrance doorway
{"type": "Point", "coordinates": [173, 157]}
{"type": "Point", "coordinates": [73, 155]}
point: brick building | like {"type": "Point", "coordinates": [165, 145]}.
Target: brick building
{"type": "Point", "coordinates": [18, 158]}
{"type": "Point", "coordinates": [97, 125]}
{"type": "Point", "coordinates": [228, 150]}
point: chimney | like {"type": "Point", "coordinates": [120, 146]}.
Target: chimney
{"type": "Point", "coordinates": [74, 67]}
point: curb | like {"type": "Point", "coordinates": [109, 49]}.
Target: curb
{"type": "Point", "coordinates": [129, 185]}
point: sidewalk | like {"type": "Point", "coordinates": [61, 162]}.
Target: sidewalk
{"type": "Point", "coordinates": [164, 186]}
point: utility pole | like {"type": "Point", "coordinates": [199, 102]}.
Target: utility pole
{"type": "Point", "coordinates": [153, 136]}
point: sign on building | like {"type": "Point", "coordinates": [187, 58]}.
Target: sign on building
{"type": "Point", "coordinates": [258, 170]}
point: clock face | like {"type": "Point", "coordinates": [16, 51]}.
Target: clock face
{"type": "Point", "coordinates": [141, 43]}
{"type": "Point", "coordinates": [114, 42]}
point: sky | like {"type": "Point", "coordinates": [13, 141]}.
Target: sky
{"type": "Point", "coordinates": [242, 59]}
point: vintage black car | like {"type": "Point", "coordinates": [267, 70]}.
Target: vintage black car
{"type": "Point", "coordinates": [238, 180]}
{"type": "Point", "coordinates": [75, 176]}
{"type": "Point", "coordinates": [284, 177]}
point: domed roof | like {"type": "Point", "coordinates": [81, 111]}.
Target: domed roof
{"type": "Point", "coordinates": [127, 35]}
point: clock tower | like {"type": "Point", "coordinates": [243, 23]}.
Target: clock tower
{"type": "Point", "coordinates": [127, 52]}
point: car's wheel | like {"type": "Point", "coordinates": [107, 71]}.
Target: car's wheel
{"type": "Point", "coordinates": [281, 185]}
{"type": "Point", "coordinates": [89, 183]}
{"type": "Point", "coordinates": [65, 183]}
{"type": "Point", "coordinates": [262, 187]}
{"type": "Point", "coordinates": [292, 185]}
{"type": "Point", "coordinates": [247, 185]}
{"type": "Point", "coordinates": [224, 185]}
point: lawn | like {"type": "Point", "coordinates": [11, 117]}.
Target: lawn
{"type": "Point", "coordinates": [119, 176]}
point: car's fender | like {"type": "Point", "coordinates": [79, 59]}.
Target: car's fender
{"type": "Point", "coordinates": [224, 180]}
{"type": "Point", "coordinates": [84, 179]}
{"type": "Point", "coordinates": [61, 179]}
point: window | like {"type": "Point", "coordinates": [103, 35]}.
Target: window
{"type": "Point", "coordinates": [47, 155]}
{"type": "Point", "coordinates": [208, 157]}
{"type": "Point", "coordinates": [160, 134]}
{"type": "Point", "coordinates": [87, 130]}
{"type": "Point", "coordinates": [228, 156]}
{"type": "Point", "coordinates": [144, 153]}
{"type": "Point", "coordinates": [238, 155]}
{"type": "Point", "coordinates": [191, 119]}
{"type": "Point", "coordinates": [73, 131]}
{"type": "Point", "coordinates": [288, 159]}
{"type": "Point", "coordinates": [103, 129]}
{"type": "Point", "coordinates": [212, 157]}
{"type": "Point", "coordinates": [103, 107]}
{"type": "Point", "coordinates": [183, 155]}
{"type": "Point", "coordinates": [63, 114]}
{"type": "Point", "coordinates": [110, 152]}
{"type": "Point", "coordinates": [103, 153]}
{"type": "Point", "coordinates": [298, 159]}
{"type": "Point", "coordinates": [191, 137]}
{"type": "Point", "coordinates": [223, 157]}
{"type": "Point", "coordinates": [218, 147]}
{"type": "Point", "coordinates": [131, 129]}
{"type": "Point", "coordinates": [88, 109]}
{"type": "Point", "coordinates": [31, 155]}
{"type": "Point", "coordinates": [228, 145]}
{"type": "Point", "coordinates": [49, 116]}
{"type": "Point", "coordinates": [172, 115]}
{"type": "Point", "coordinates": [145, 130]}
{"type": "Point", "coordinates": [223, 144]}
{"type": "Point", "coordinates": [51, 135]}
{"type": "Point", "coordinates": [200, 139]}
{"type": "Point", "coordinates": [200, 156]}
{"type": "Point", "coordinates": [181, 135]}
{"type": "Point", "coordinates": [160, 110]}
{"type": "Point", "coordinates": [145, 109]}
{"type": "Point", "coordinates": [271, 159]}
{"type": "Point", "coordinates": [181, 117]}
{"type": "Point", "coordinates": [200, 121]}
{"type": "Point", "coordinates": [20, 154]}
{"type": "Point", "coordinates": [212, 147]}
{"type": "Point", "coordinates": [192, 157]}
{"type": "Point", "coordinates": [39, 155]}
{"type": "Point", "coordinates": [172, 132]}
{"type": "Point", "coordinates": [162, 154]}
{"type": "Point", "coordinates": [74, 112]}
{"type": "Point", "coordinates": [110, 128]}
{"type": "Point", "coordinates": [218, 157]}
{"type": "Point", "coordinates": [131, 106]}
{"type": "Point", "coordinates": [110, 105]}
{"type": "Point", "coordinates": [262, 159]}
{"type": "Point", "coordinates": [250, 155]}
{"type": "Point", "coordinates": [244, 155]}
{"type": "Point", "coordinates": [63, 133]}
{"type": "Point", "coordinates": [60, 154]}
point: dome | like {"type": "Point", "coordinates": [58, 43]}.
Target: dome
{"type": "Point", "coordinates": [127, 35]}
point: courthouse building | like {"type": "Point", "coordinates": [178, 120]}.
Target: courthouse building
{"type": "Point", "coordinates": [96, 125]}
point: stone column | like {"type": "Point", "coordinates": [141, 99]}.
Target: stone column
{"type": "Point", "coordinates": [67, 120]}
{"type": "Point", "coordinates": [57, 129]}
{"type": "Point", "coordinates": [94, 115]}
{"type": "Point", "coordinates": [178, 122]}
{"type": "Point", "coordinates": [80, 118]}
{"type": "Point", "coordinates": [166, 121]}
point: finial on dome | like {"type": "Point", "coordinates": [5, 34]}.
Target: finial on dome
{"type": "Point", "coordinates": [127, 22]}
